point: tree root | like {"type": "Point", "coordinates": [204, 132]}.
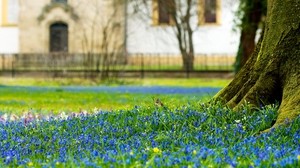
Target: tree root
{"type": "Point", "coordinates": [267, 84]}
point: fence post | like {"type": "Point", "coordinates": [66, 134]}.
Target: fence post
{"type": "Point", "coordinates": [85, 55]}
{"type": "Point", "coordinates": [159, 62]}
{"type": "Point", "coordinates": [13, 66]}
{"type": "Point", "coordinates": [3, 63]}
{"type": "Point", "coordinates": [142, 66]}
{"type": "Point", "coordinates": [188, 69]}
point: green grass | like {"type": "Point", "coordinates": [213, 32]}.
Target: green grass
{"type": "Point", "coordinates": [184, 82]}
{"type": "Point", "coordinates": [18, 100]}
{"type": "Point", "coordinates": [193, 82]}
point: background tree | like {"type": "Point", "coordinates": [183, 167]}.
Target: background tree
{"type": "Point", "coordinates": [100, 38]}
{"type": "Point", "coordinates": [181, 14]}
{"type": "Point", "coordinates": [249, 15]}
{"type": "Point", "coordinates": [272, 74]}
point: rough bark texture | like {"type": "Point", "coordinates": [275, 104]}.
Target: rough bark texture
{"type": "Point", "coordinates": [272, 74]}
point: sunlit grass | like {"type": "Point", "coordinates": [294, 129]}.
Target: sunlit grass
{"type": "Point", "coordinates": [193, 82]}
{"type": "Point", "coordinates": [18, 100]}
{"type": "Point", "coordinates": [184, 82]}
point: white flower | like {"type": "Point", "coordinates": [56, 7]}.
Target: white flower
{"type": "Point", "coordinates": [5, 117]}
{"type": "Point", "coordinates": [237, 121]}
{"type": "Point", "coordinates": [63, 115]}
{"type": "Point", "coordinates": [13, 117]}
{"type": "Point", "coordinates": [96, 110]}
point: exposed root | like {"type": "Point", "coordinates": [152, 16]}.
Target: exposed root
{"type": "Point", "coordinates": [244, 79]}
{"type": "Point", "coordinates": [272, 75]}
{"type": "Point", "coordinates": [289, 108]}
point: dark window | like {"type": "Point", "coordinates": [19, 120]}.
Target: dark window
{"type": "Point", "coordinates": [60, 1]}
{"type": "Point", "coordinates": [210, 11]}
{"type": "Point", "coordinates": [59, 37]}
{"type": "Point", "coordinates": [165, 8]}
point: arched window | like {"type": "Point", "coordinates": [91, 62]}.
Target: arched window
{"type": "Point", "coordinates": [59, 37]}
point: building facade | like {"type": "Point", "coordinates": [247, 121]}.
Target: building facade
{"type": "Point", "coordinates": [81, 26]}
{"type": "Point", "coordinates": [211, 20]}
{"type": "Point", "coordinates": [74, 26]}
{"type": "Point", "coordinates": [9, 31]}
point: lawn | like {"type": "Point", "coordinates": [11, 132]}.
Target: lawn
{"type": "Point", "coordinates": [21, 95]}
{"type": "Point", "coordinates": [184, 82]}
{"type": "Point", "coordinates": [124, 127]}
{"type": "Point", "coordinates": [43, 100]}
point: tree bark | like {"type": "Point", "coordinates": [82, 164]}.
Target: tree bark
{"type": "Point", "coordinates": [184, 32]}
{"type": "Point", "coordinates": [272, 74]}
{"type": "Point", "coordinates": [188, 61]}
{"type": "Point", "coordinates": [252, 17]}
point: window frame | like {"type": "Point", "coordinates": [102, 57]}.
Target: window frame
{"type": "Point", "coordinates": [155, 15]}
{"type": "Point", "coordinates": [4, 20]}
{"type": "Point", "coordinates": [201, 16]}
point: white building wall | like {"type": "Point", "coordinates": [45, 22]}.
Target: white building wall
{"type": "Point", "coordinates": [144, 37]}
{"type": "Point", "coordinates": [9, 40]}
{"type": "Point", "coordinates": [9, 36]}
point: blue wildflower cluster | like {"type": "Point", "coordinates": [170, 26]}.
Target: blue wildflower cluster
{"type": "Point", "coordinates": [190, 136]}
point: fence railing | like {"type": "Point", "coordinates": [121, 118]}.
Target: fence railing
{"type": "Point", "coordinates": [87, 64]}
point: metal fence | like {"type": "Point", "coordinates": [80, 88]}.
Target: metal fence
{"type": "Point", "coordinates": [91, 65]}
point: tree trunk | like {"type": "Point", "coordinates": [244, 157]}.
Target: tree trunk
{"type": "Point", "coordinates": [252, 16]}
{"type": "Point", "coordinates": [188, 61]}
{"type": "Point", "coordinates": [184, 32]}
{"type": "Point", "coordinates": [247, 41]}
{"type": "Point", "coordinates": [272, 74]}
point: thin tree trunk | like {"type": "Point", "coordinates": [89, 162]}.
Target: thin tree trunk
{"type": "Point", "coordinates": [184, 34]}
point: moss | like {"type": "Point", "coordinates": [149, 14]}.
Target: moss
{"type": "Point", "coordinates": [274, 75]}
{"type": "Point", "coordinates": [278, 24]}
